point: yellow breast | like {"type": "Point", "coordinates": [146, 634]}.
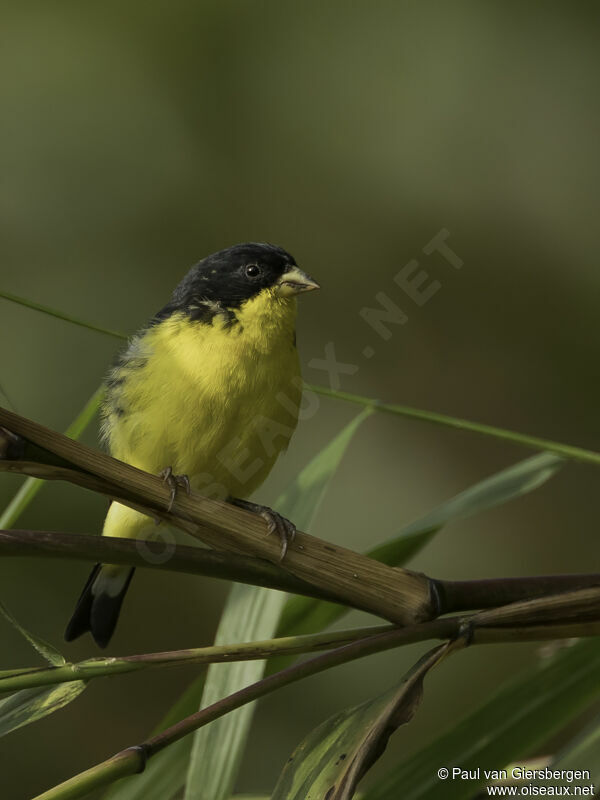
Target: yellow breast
{"type": "Point", "coordinates": [216, 401]}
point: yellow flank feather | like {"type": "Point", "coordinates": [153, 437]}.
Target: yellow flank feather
{"type": "Point", "coordinates": [216, 401]}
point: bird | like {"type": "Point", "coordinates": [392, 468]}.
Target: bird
{"type": "Point", "coordinates": [207, 396]}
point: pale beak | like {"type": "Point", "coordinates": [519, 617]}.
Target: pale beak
{"type": "Point", "coordinates": [295, 281]}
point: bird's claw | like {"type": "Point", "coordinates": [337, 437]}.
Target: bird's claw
{"type": "Point", "coordinates": [174, 482]}
{"type": "Point", "coordinates": [276, 523]}
{"type": "Point", "coordinates": [285, 529]}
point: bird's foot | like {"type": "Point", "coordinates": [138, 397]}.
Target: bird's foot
{"type": "Point", "coordinates": [276, 523]}
{"type": "Point", "coordinates": [174, 482]}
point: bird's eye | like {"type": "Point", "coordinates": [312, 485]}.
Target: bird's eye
{"type": "Point", "coordinates": [252, 271]}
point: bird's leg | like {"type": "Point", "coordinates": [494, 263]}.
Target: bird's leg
{"type": "Point", "coordinates": [174, 482]}
{"type": "Point", "coordinates": [285, 529]}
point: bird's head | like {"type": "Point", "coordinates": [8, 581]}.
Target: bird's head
{"type": "Point", "coordinates": [241, 273]}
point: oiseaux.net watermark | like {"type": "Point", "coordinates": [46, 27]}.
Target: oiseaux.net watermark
{"type": "Point", "coordinates": [414, 288]}
{"type": "Point", "coordinates": [523, 782]}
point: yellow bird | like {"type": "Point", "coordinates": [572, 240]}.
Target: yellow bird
{"type": "Point", "coordinates": [207, 396]}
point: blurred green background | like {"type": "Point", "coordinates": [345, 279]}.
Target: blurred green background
{"type": "Point", "coordinates": [139, 137]}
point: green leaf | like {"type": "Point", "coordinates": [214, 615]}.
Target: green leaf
{"type": "Point", "coordinates": [494, 491]}
{"type": "Point", "coordinates": [303, 497]}
{"type": "Point", "coordinates": [335, 756]}
{"type": "Point", "coordinates": [250, 614]}
{"type": "Point", "coordinates": [516, 721]}
{"type": "Point", "coordinates": [31, 486]}
{"type": "Point", "coordinates": [30, 705]}
{"type": "Point", "coordinates": [51, 654]}
{"type": "Point", "coordinates": [306, 615]}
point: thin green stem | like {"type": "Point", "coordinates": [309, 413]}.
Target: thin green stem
{"type": "Point", "coordinates": [532, 442]}
{"type": "Point", "coordinates": [133, 759]}
{"type": "Point", "coordinates": [127, 762]}
{"type": "Point", "coordinates": [15, 680]}
{"type": "Point", "coordinates": [53, 312]}
{"type": "Point", "coordinates": [524, 440]}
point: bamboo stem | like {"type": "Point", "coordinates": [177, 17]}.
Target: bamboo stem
{"type": "Point", "coordinates": [490, 592]}
{"type": "Point", "coordinates": [399, 595]}
{"type": "Point", "coordinates": [453, 596]}
{"type": "Point", "coordinates": [15, 680]}
{"type": "Point", "coordinates": [181, 558]}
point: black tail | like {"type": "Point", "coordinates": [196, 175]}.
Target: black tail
{"type": "Point", "coordinates": [98, 607]}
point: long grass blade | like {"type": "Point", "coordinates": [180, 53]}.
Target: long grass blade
{"type": "Point", "coordinates": [253, 614]}
{"type": "Point", "coordinates": [304, 615]}
{"type": "Point", "coordinates": [522, 439]}
{"type": "Point", "coordinates": [53, 312]}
